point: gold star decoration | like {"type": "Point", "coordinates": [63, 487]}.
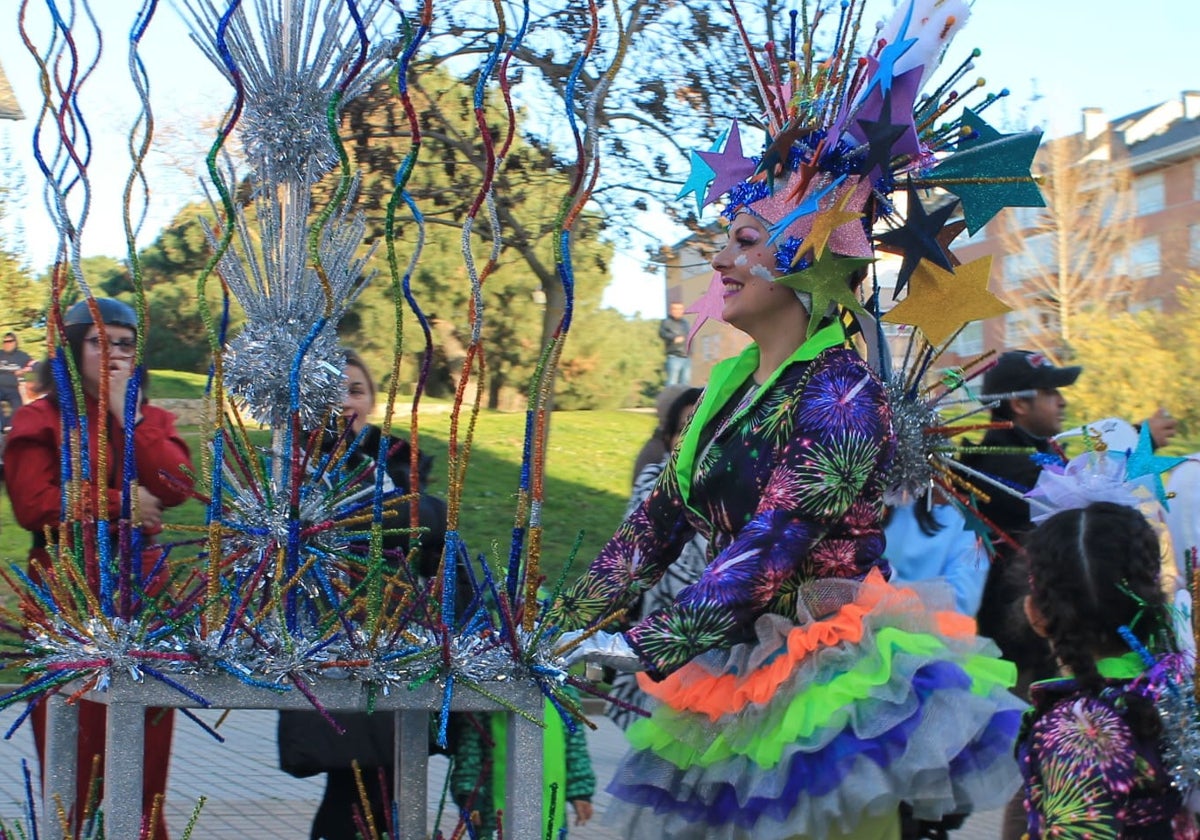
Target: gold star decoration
{"type": "Point", "coordinates": [827, 280]}
{"type": "Point", "coordinates": [940, 302]}
{"type": "Point", "coordinates": [824, 224]}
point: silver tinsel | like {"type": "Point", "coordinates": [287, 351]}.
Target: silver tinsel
{"type": "Point", "coordinates": [915, 450]}
{"type": "Point", "coordinates": [258, 367]}
{"type": "Point", "coordinates": [291, 56]}
{"type": "Point", "coordinates": [1181, 728]}
{"type": "Point", "coordinates": [270, 275]}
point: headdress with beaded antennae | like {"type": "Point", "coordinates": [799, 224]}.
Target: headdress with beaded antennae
{"type": "Point", "coordinates": [845, 132]}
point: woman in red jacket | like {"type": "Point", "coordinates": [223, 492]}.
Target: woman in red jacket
{"type": "Point", "coordinates": [33, 467]}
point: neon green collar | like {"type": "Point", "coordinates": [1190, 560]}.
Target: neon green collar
{"type": "Point", "coordinates": [1125, 667]}
{"type": "Point", "coordinates": [726, 379]}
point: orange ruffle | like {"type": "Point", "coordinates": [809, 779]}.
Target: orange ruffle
{"type": "Point", "coordinates": [694, 689]}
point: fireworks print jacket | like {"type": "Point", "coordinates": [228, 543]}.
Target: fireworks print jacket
{"type": "Point", "coordinates": [785, 480]}
{"type": "Point", "coordinates": [1087, 774]}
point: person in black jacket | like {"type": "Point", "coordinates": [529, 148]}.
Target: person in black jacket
{"type": "Point", "coordinates": [1027, 384]}
{"type": "Point", "coordinates": [307, 743]}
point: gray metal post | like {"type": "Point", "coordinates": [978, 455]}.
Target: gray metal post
{"type": "Point", "coordinates": [62, 743]}
{"type": "Point", "coordinates": [411, 762]}
{"type": "Point", "coordinates": [124, 748]}
{"type": "Point", "coordinates": [523, 778]}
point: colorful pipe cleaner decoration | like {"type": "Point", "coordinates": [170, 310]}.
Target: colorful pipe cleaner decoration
{"type": "Point", "coordinates": [297, 573]}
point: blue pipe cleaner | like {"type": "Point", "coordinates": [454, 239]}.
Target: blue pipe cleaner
{"type": "Point", "coordinates": [1136, 645]}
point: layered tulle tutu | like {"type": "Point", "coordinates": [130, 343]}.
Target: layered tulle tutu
{"type": "Point", "coordinates": [877, 694]}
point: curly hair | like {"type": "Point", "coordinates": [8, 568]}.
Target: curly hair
{"type": "Point", "coordinates": [1092, 571]}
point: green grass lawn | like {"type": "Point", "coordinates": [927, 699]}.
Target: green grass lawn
{"type": "Point", "coordinates": [588, 479]}
{"type": "Point", "coordinates": [176, 385]}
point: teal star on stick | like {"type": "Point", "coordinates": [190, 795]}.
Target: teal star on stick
{"type": "Point", "coordinates": [698, 180]}
{"type": "Point", "coordinates": [991, 176]}
{"type": "Point", "coordinates": [1143, 462]}
{"type": "Point", "coordinates": [983, 133]}
{"type": "Point", "coordinates": [828, 281]}
{"type": "Point", "coordinates": [972, 523]}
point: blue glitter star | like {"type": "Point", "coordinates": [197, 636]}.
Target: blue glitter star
{"type": "Point", "coordinates": [1143, 462]}
{"type": "Point", "coordinates": [809, 205]}
{"type": "Point", "coordinates": [889, 55]}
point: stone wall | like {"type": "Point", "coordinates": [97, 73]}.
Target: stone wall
{"type": "Point", "coordinates": [187, 412]}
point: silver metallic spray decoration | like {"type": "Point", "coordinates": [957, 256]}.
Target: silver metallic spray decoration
{"type": "Point", "coordinates": [915, 449]}
{"type": "Point", "coordinates": [290, 71]}
{"type": "Point", "coordinates": [270, 275]}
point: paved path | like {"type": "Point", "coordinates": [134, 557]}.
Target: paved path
{"type": "Point", "coordinates": [249, 797]}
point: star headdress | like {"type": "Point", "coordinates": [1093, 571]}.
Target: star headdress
{"type": "Point", "coordinates": [845, 131]}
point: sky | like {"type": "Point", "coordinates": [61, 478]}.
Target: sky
{"type": "Point", "coordinates": [1055, 56]}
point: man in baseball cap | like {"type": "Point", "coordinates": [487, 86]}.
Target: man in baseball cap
{"type": "Point", "coordinates": [1027, 384]}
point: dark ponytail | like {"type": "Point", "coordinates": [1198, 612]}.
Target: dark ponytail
{"type": "Point", "coordinates": [1093, 571]}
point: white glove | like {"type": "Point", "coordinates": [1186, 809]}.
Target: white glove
{"type": "Point", "coordinates": [602, 648]}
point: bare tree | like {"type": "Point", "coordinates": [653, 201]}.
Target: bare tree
{"type": "Point", "coordinates": [1073, 254]}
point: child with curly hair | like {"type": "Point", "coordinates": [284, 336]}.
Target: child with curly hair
{"type": "Point", "coordinates": [1091, 748]}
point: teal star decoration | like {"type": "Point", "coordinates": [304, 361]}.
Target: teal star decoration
{"type": "Point", "coordinates": [981, 132]}
{"type": "Point", "coordinates": [972, 523]}
{"type": "Point", "coordinates": [991, 176]}
{"type": "Point", "coordinates": [827, 280]}
{"type": "Point", "coordinates": [1143, 462]}
{"type": "Point", "coordinates": [698, 180]}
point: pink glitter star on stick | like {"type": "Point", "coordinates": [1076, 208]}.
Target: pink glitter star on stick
{"type": "Point", "coordinates": [708, 307]}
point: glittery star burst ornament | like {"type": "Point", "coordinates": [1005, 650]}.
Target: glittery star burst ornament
{"type": "Point", "coordinates": [1143, 462]}
{"type": "Point", "coordinates": [289, 72]}
{"type": "Point", "coordinates": [940, 302]}
{"type": "Point", "coordinates": [828, 281]}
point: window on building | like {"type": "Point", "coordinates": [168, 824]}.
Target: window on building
{"type": "Point", "coordinates": [1196, 181]}
{"type": "Point", "coordinates": [1149, 193]}
{"type": "Point", "coordinates": [1145, 259]}
{"type": "Point", "coordinates": [969, 342]}
{"type": "Point", "coordinates": [1194, 244]}
{"type": "Point", "coordinates": [1018, 268]}
{"type": "Point", "coordinates": [1152, 304]}
{"type": "Point", "coordinates": [1036, 258]}
{"type": "Point", "coordinates": [1019, 325]}
{"type": "Point", "coordinates": [710, 348]}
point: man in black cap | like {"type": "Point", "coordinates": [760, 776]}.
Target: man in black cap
{"type": "Point", "coordinates": [1027, 385]}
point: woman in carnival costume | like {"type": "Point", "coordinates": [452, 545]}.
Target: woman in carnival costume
{"type": "Point", "coordinates": [36, 461]}
{"type": "Point", "coordinates": [800, 695]}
